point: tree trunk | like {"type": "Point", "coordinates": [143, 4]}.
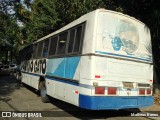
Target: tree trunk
{"type": "Point", "coordinates": [6, 56]}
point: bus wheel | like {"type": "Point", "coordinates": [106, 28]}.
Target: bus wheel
{"type": "Point", "coordinates": [43, 93]}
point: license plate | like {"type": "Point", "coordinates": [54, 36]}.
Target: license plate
{"type": "Point", "coordinates": [127, 85]}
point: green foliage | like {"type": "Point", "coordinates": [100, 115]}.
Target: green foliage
{"type": "Point", "coordinates": [8, 33]}
{"type": "Point", "coordinates": [43, 18]}
{"type": "Point", "coordinates": [39, 18]}
{"type": "Point", "coordinates": [70, 10]}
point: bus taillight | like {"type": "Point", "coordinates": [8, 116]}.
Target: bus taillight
{"type": "Point", "coordinates": [148, 91]}
{"type": "Point", "coordinates": [112, 90]}
{"type": "Point", "coordinates": [142, 91]}
{"type": "Point", "coordinates": [99, 90]}
{"type": "Point", "coordinates": [97, 76]}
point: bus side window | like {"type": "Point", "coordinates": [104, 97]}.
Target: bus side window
{"type": "Point", "coordinates": [29, 52]}
{"type": "Point", "coordinates": [62, 43]}
{"type": "Point", "coordinates": [24, 54]}
{"type": "Point", "coordinates": [40, 46]}
{"type": "Point", "coordinates": [45, 48]}
{"type": "Point", "coordinates": [77, 39]}
{"type": "Point", "coordinates": [35, 47]}
{"type": "Point", "coordinates": [53, 45]}
{"type": "Point", "coordinates": [71, 41]}
{"type": "Point", "coordinates": [19, 57]}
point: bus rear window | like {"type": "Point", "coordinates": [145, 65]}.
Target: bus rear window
{"type": "Point", "coordinates": [123, 36]}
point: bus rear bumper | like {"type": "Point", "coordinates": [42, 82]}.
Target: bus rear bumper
{"type": "Point", "coordinates": [114, 102]}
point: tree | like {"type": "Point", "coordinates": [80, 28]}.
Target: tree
{"type": "Point", "coordinates": [8, 34]}
{"type": "Point", "coordinates": [38, 17]}
{"type": "Point", "coordinates": [70, 10]}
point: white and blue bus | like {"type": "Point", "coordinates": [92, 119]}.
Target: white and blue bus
{"type": "Point", "coordinates": [102, 60]}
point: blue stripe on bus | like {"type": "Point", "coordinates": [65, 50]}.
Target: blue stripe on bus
{"type": "Point", "coordinates": [145, 59]}
{"type": "Point", "coordinates": [71, 82]}
{"type": "Point", "coordinates": [86, 86]}
{"type": "Point", "coordinates": [74, 82]}
{"type": "Point", "coordinates": [62, 67]}
{"type": "Point", "coordinates": [114, 102]}
{"type": "Point", "coordinates": [71, 66]}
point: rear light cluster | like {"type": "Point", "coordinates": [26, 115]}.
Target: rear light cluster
{"type": "Point", "coordinates": [143, 91]}
{"type": "Point", "coordinates": [148, 91]}
{"type": "Point", "coordinates": [101, 90]}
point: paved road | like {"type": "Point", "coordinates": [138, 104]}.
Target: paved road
{"type": "Point", "coordinates": [16, 98]}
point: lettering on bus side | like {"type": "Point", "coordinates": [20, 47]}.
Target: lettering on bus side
{"type": "Point", "coordinates": [35, 66]}
{"type": "Point", "coordinates": [31, 64]}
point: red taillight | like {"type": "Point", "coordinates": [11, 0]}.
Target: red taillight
{"type": "Point", "coordinates": [76, 92]}
{"type": "Point", "coordinates": [97, 76]}
{"type": "Point", "coordinates": [112, 90]}
{"type": "Point", "coordinates": [150, 80]}
{"type": "Point", "coordinates": [99, 90]}
{"type": "Point", "coordinates": [141, 91]}
{"type": "Point", "coordinates": [148, 91]}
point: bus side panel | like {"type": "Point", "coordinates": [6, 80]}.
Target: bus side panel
{"type": "Point", "coordinates": [63, 90]}
{"type": "Point", "coordinates": [86, 74]}
{"type": "Point", "coordinates": [30, 79]}
{"type": "Point", "coordinates": [62, 78]}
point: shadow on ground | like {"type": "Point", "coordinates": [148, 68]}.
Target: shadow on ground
{"type": "Point", "coordinates": [8, 84]}
{"type": "Point", "coordinates": [80, 113]}
{"type": "Point", "coordinates": [69, 110]}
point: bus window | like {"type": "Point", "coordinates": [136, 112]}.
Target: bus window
{"type": "Point", "coordinates": [29, 52]}
{"type": "Point", "coordinates": [45, 48]}
{"type": "Point", "coordinates": [24, 54]}
{"type": "Point", "coordinates": [35, 50]}
{"type": "Point", "coordinates": [20, 57]}
{"type": "Point", "coordinates": [53, 45]}
{"type": "Point", "coordinates": [62, 43]}
{"type": "Point", "coordinates": [77, 39]}
{"type": "Point", "coordinates": [39, 52]}
{"type": "Point", "coordinates": [71, 40]}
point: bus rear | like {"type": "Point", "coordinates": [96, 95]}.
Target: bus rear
{"type": "Point", "coordinates": [122, 74]}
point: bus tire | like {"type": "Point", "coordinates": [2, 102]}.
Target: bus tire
{"type": "Point", "coordinates": [43, 93]}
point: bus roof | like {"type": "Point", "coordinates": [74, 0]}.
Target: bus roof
{"type": "Point", "coordinates": [83, 19]}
